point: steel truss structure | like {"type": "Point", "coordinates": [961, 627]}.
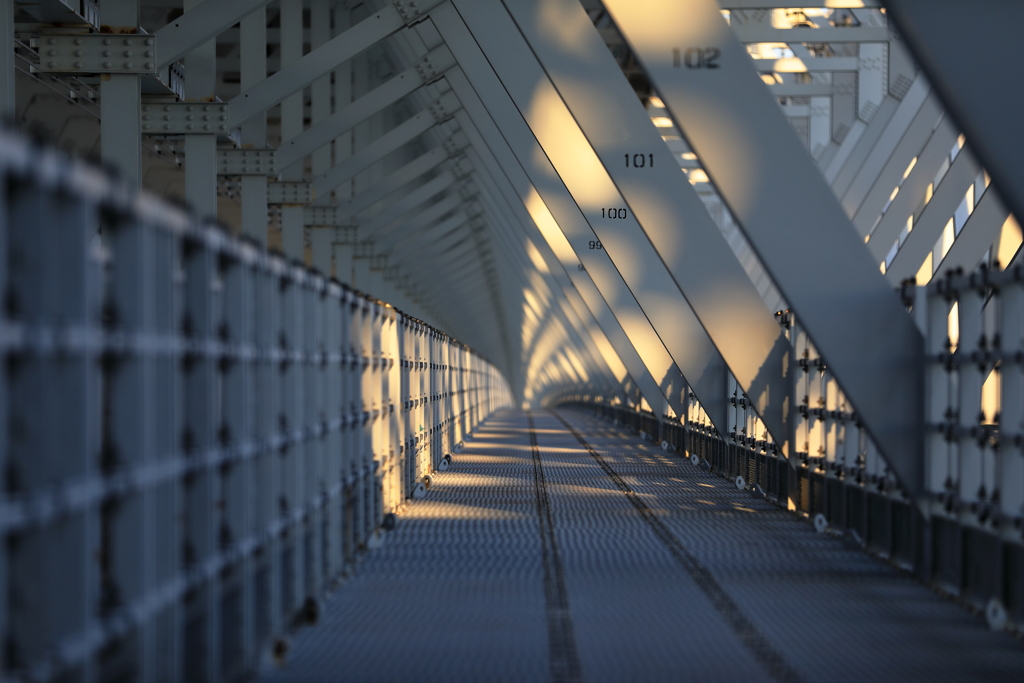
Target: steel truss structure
{"type": "Point", "coordinates": [753, 233]}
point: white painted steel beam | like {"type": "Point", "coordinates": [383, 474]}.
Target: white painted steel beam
{"type": "Point", "coordinates": [548, 202]}
{"type": "Point", "coordinates": [199, 24]}
{"type": "Point", "coordinates": [375, 151]}
{"type": "Point", "coordinates": [914, 190]}
{"type": "Point", "coordinates": [322, 133]}
{"type": "Point", "coordinates": [976, 236]}
{"type": "Point", "coordinates": [560, 185]}
{"type": "Point", "coordinates": [640, 173]}
{"type": "Point", "coordinates": [766, 33]}
{"type": "Point", "coordinates": [409, 202]}
{"type": "Point", "coordinates": [975, 77]}
{"type": "Point", "coordinates": [617, 353]}
{"type": "Point", "coordinates": [791, 218]}
{"type": "Point", "coordinates": [297, 75]}
{"type": "Point", "coordinates": [928, 228]}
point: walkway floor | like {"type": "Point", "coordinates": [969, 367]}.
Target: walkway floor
{"type": "Point", "coordinates": [536, 559]}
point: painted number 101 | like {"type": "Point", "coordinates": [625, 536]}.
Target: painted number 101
{"type": "Point", "coordinates": [639, 160]}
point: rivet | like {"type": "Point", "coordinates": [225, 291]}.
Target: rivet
{"type": "Point", "coordinates": [167, 117]}
{"type": "Point", "coordinates": [188, 126]}
{"type": "Point", "coordinates": [149, 65]}
{"type": "Point", "coordinates": [149, 41]}
{"type": "Point", "coordinates": [106, 65]}
{"type": "Point", "coordinates": [149, 53]}
{"type": "Point", "coordinates": [188, 108]}
{"type": "Point", "coordinates": [128, 65]}
{"type": "Point", "coordinates": [206, 108]}
{"type": "Point", "coordinates": [127, 41]}
{"type": "Point", "coordinates": [78, 65]}
{"type": "Point", "coordinates": [206, 127]}
{"type": "Point", "coordinates": [223, 127]}
{"type": "Point", "coordinates": [78, 53]}
{"type": "Point", "coordinates": [223, 118]}
{"type": "Point", "coordinates": [167, 108]}
{"type": "Point", "coordinates": [52, 65]}
{"type": "Point", "coordinates": [106, 41]}
{"type": "Point", "coordinates": [206, 117]}
{"type": "Point", "coordinates": [145, 107]}
{"type": "Point", "coordinates": [189, 117]}
{"type": "Point", "coordinates": [127, 53]}
{"type": "Point", "coordinates": [146, 126]}
{"type": "Point", "coordinates": [107, 53]}
{"type": "Point", "coordinates": [51, 41]}
{"type": "Point", "coordinates": [78, 41]}
{"type": "Point", "coordinates": [52, 53]}
{"type": "Point", "coordinates": [167, 126]}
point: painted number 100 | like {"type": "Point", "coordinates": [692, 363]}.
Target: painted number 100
{"type": "Point", "coordinates": [613, 213]}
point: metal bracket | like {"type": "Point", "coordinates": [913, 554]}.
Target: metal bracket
{"type": "Point", "coordinates": [444, 107]}
{"type": "Point", "coordinates": [462, 167]}
{"type": "Point", "coordinates": [292, 193]}
{"type": "Point", "coordinates": [455, 143]}
{"type": "Point", "coordinates": [324, 215]}
{"type": "Point", "coordinates": [96, 53]}
{"type": "Point", "coordinates": [414, 11]}
{"type": "Point", "coordinates": [468, 191]}
{"type": "Point", "coordinates": [433, 65]}
{"type": "Point", "coordinates": [247, 162]}
{"type": "Point", "coordinates": [183, 118]}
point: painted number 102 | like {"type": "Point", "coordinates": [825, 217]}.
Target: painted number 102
{"type": "Point", "coordinates": [639, 160]}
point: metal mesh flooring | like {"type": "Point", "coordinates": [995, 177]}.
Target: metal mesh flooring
{"type": "Point", "coordinates": [623, 563]}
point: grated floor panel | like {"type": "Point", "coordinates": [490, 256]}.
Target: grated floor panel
{"type": "Point", "coordinates": [568, 551]}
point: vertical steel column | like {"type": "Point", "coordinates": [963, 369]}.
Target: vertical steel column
{"type": "Point", "coordinates": [321, 239]}
{"type": "Point", "coordinates": [292, 114]}
{"type": "Point", "coordinates": [1011, 409]}
{"type": "Point", "coordinates": [201, 149]}
{"type": "Point", "coordinates": [7, 70]}
{"type": "Point", "coordinates": [121, 95]}
{"type": "Point", "coordinates": [253, 48]}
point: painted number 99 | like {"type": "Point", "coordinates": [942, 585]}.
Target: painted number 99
{"type": "Point", "coordinates": [639, 160]}
{"type": "Point", "coordinates": [595, 244]}
{"type": "Point", "coordinates": [613, 213]}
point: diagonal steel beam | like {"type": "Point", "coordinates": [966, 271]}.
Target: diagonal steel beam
{"type": "Point", "coordinates": [322, 133]}
{"type": "Point", "coordinates": [755, 159]}
{"type": "Point", "coordinates": [375, 151]}
{"type": "Point", "coordinates": [200, 24]}
{"type": "Point", "coordinates": [573, 184]}
{"type": "Point", "coordinates": [642, 172]}
{"type": "Point", "coordinates": [979, 92]}
{"type": "Point", "coordinates": [297, 75]}
{"type": "Point", "coordinates": [602, 290]}
{"type": "Point", "coordinates": [411, 201]}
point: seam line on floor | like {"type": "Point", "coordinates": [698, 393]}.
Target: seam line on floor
{"type": "Point", "coordinates": [565, 662]}
{"type": "Point", "coordinates": [749, 635]}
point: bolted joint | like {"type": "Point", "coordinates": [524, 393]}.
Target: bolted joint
{"type": "Point", "coordinates": [184, 118]}
{"type": "Point", "coordinates": [434, 64]}
{"type": "Point", "coordinates": [455, 143]}
{"type": "Point", "coordinates": [415, 11]}
{"type": "Point", "coordinates": [247, 162]}
{"type": "Point", "coordinates": [96, 53]}
{"type": "Point", "coordinates": [444, 107]}
{"type": "Point", "coordinates": [290, 193]}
